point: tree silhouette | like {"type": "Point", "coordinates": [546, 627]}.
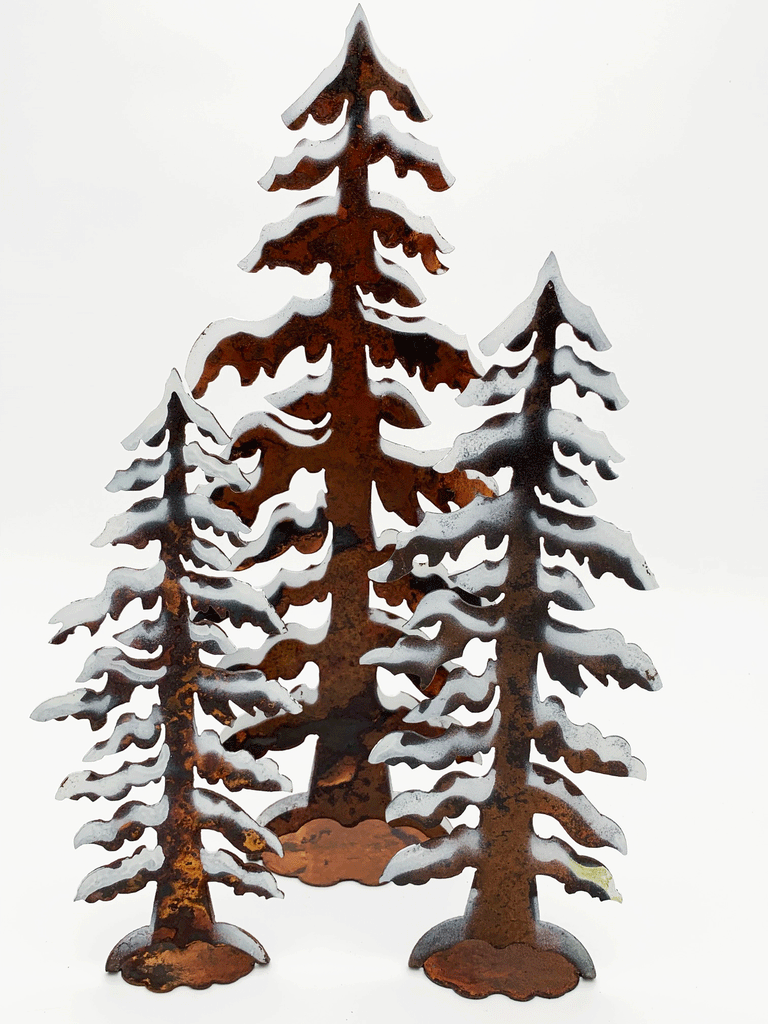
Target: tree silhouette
{"type": "Point", "coordinates": [500, 945]}
{"type": "Point", "coordinates": [183, 944]}
{"type": "Point", "coordinates": [330, 422]}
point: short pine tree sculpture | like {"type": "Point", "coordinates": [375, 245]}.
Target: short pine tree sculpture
{"type": "Point", "coordinates": [330, 421]}
{"type": "Point", "coordinates": [500, 945]}
{"type": "Point", "coordinates": [183, 944]}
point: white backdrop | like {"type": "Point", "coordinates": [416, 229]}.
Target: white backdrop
{"type": "Point", "coordinates": [629, 138]}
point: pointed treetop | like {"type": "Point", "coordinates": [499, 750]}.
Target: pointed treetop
{"type": "Point", "coordinates": [580, 317]}
{"type": "Point", "coordinates": [360, 69]}
{"type": "Point", "coordinates": [152, 428]}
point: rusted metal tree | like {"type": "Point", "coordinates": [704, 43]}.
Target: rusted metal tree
{"type": "Point", "coordinates": [500, 945]}
{"type": "Point", "coordinates": [183, 944]}
{"type": "Point", "coordinates": [330, 422]}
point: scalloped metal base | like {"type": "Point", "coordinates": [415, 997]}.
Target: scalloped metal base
{"type": "Point", "coordinates": [322, 852]}
{"type": "Point", "coordinates": [163, 966]}
{"type": "Point", "coordinates": [475, 969]}
{"type": "Point", "coordinates": [549, 967]}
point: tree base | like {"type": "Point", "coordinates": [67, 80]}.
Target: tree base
{"type": "Point", "coordinates": [322, 852]}
{"type": "Point", "coordinates": [475, 969]}
{"type": "Point", "coordinates": [230, 954]}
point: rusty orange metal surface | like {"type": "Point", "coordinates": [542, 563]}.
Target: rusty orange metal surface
{"type": "Point", "coordinates": [347, 718]}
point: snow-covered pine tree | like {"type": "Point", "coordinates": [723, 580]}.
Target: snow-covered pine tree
{"type": "Point", "coordinates": [330, 421]}
{"type": "Point", "coordinates": [183, 944]}
{"type": "Point", "coordinates": [500, 945]}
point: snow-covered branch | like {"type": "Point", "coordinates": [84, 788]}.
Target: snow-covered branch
{"type": "Point", "coordinates": [408, 153]}
{"type": "Point", "coordinates": [309, 384]}
{"type": "Point", "coordinates": [204, 554]}
{"type": "Point", "coordinates": [573, 437]}
{"type": "Point", "coordinates": [238, 770]}
{"type": "Point", "coordinates": [287, 242]}
{"type": "Point", "coordinates": [291, 430]}
{"type": "Point", "coordinates": [308, 165]}
{"type": "Point", "coordinates": [137, 526]}
{"type": "Point", "coordinates": [141, 473]}
{"type": "Point", "coordinates": [216, 811]}
{"type": "Point", "coordinates": [451, 796]}
{"type": "Point", "coordinates": [558, 797]}
{"type": "Point", "coordinates": [396, 225]}
{"type": "Point", "coordinates": [253, 345]}
{"type": "Point", "coordinates": [223, 866]}
{"type": "Point", "coordinates": [582, 747]}
{"type": "Point", "coordinates": [152, 430]}
{"type": "Point", "coordinates": [602, 652]}
{"type": "Point", "coordinates": [436, 751]}
{"type": "Point", "coordinates": [587, 377]}
{"type": "Point", "coordinates": [298, 632]}
{"type": "Point", "coordinates": [129, 729]}
{"type": "Point", "coordinates": [324, 99]}
{"type": "Point", "coordinates": [286, 511]}
{"type": "Point", "coordinates": [515, 332]}
{"type": "Point", "coordinates": [130, 874]}
{"type": "Point", "coordinates": [214, 467]}
{"type": "Point", "coordinates": [146, 635]}
{"type": "Point", "coordinates": [418, 655]}
{"type": "Point", "coordinates": [448, 533]}
{"type": "Point", "coordinates": [576, 872]}
{"type": "Point", "coordinates": [391, 393]}
{"type": "Point", "coordinates": [608, 548]}
{"type": "Point", "coordinates": [563, 587]}
{"type": "Point", "coordinates": [122, 586]}
{"type": "Point", "coordinates": [498, 385]}
{"type": "Point", "coordinates": [234, 600]}
{"type": "Point", "coordinates": [249, 689]}
{"type": "Point", "coordinates": [460, 689]}
{"type": "Point", "coordinates": [120, 668]}
{"type": "Point", "coordinates": [564, 484]}
{"type": "Point", "coordinates": [444, 857]}
{"type": "Point", "coordinates": [209, 516]}
{"type": "Point", "coordinates": [490, 447]}
{"type": "Point", "coordinates": [94, 706]}
{"type": "Point", "coordinates": [81, 703]}
{"type": "Point", "coordinates": [117, 784]}
{"type": "Point", "coordinates": [125, 826]}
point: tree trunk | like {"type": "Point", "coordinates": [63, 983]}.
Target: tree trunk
{"type": "Point", "coordinates": [503, 909]}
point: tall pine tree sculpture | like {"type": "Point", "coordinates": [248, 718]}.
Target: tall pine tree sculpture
{"type": "Point", "coordinates": [183, 945]}
{"type": "Point", "coordinates": [500, 945]}
{"type": "Point", "coordinates": [330, 421]}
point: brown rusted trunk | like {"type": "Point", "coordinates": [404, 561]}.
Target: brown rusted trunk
{"type": "Point", "coordinates": [343, 785]}
{"type": "Point", "coordinates": [182, 910]}
{"type": "Point", "coordinates": [503, 910]}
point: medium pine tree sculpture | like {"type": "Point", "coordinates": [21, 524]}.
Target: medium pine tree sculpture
{"type": "Point", "coordinates": [330, 422]}
{"type": "Point", "coordinates": [500, 945]}
{"type": "Point", "coordinates": [183, 945]}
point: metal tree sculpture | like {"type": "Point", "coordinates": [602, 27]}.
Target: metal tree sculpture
{"type": "Point", "coordinates": [183, 945]}
{"type": "Point", "coordinates": [330, 421]}
{"type": "Point", "coordinates": [500, 945]}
